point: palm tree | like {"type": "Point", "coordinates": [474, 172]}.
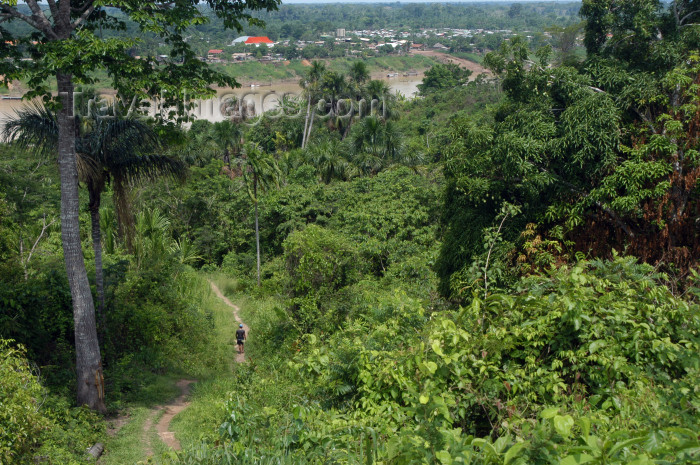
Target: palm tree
{"type": "Point", "coordinates": [109, 150]}
{"type": "Point", "coordinates": [228, 137]}
{"type": "Point", "coordinates": [378, 89]}
{"type": "Point", "coordinates": [329, 161]}
{"type": "Point", "coordinates": [359, 74]}
{"type": "Point", "coordinates": [152, 240]}
{"type": "Point", "coordinates": [236, 109]}
{"type": "Point", "coordinates": [381, 91]}
{"type": "Point", "coordinates": [377, 144]}
{"type": "Point", "coordinates": [311, 83]}
{"type": "Point", "coordinates": [335, 87]}
{"type": "Point", "coordinates": [259, 170]}
{"type": "Point", "coordinates": [357, 77]}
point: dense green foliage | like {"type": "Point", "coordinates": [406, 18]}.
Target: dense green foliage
{"type": "Point", "coordinates": [442, 77]}
{"type": "Point", "coordinates": [606, 149]}
{"type": "Point", "coordinates": [500, 271]}
{"type": "Point", "coordinates": [36, 422]}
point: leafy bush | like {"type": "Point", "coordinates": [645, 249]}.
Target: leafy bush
{"type": "Point", "coordinates": [161, 324]}
{"type": "Point", "coordinates": [35, 424]}
{"type": "Point", "coordinates": [590, 333]}
{"type": "Point", "coordinates": [20, 399]}
{"type": "Point", "coordinates": [319, 263]}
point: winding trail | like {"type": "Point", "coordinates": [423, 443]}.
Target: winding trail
{"type": "Point", "coordinates": [171, 410]}
{"type": "Point", "coordinates": [181, 403]}
{"type": "Point", "coordinates": [240, 358]}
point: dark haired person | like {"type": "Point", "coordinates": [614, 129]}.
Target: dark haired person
{"type": "Point", "coordinates": [240, 338]}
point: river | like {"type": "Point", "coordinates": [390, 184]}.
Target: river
{"type": "Point", "coordinates": [265, 97]}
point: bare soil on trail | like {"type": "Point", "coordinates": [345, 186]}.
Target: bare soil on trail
{"type": "Point", "coordinates": [181, 403]}
{"type": "Point", "coordinates": [163, 425]}
{"type": "Point", "coordinates": [475, 68]}
{"type": "Point", "coordinates": [171, 410]}
{"type": "Point", "coordinates": [146, 438]}
{"type": "Point", "coordinates": [240, 358]}
{"type": "Point", "coordinates": [115, 424]}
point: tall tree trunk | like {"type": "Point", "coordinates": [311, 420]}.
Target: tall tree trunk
{"type": "Point", "coordinates": [125, 221]}
{"type": "Point", "coordinates": [257, 228]}
{"type": "Point", "coordinates": [97, 248]}
{"type": "Point", "coordinates": [306, 122]}
{"type": "Point", "coordinates": [311, 125]}
{"type": "Point", "coordinates": [90, 389]}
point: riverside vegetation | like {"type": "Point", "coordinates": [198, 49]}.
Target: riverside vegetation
{"type": "Point", "coordinates": [500, 271]}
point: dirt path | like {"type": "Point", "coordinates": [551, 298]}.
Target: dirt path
{"type": "Point", "coordinates": [180, 404]}
{"type": "Point", "coordinates": [240, 358]}
{"type": "Point", "coordinates": [475, 68]}
{"type": "Point", "coordinates": [163, 425]}
{"type": "Point", "coordinates": [171, 410]}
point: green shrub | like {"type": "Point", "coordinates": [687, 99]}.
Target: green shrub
{"type": "Point", "coordinates": [319, 263]}
{"type": "Point", "coordinates": [71, 432]}
{"type": "Point", "coordinates": [20, 399]}
{"type": "Point", "coordinates": [36, 424]}
{"type": "Point", "coordinates": [597, 333]}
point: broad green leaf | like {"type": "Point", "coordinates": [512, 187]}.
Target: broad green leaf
{"type": "Point", "coordinates": [595, 345]}
{"type": "Point", "coordinates": [424, 399]}
{"type": "Point", "coordinates": [641, 460]}
{"type": "Point", "coordinates": [563, 424]}
{"type": "Point", "coordinates": [514, 451]}
{"type": "Point", "coordinates": [621, 445]}
{"type": "Point", "coordinates": [576, 459]}
{"type": "Point", "coordinates": [436, 348]}
{"type": "Point", "coordinates": [444, 457]}
{"type": "Point", "coordinates": [549, 412]}
{"type": "Point", "coordinates": [485, 445]}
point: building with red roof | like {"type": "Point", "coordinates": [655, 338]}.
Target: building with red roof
{"type": "Point", "coordinates": [257, 41]}
{"type": "Point", "coordinates": [214, 54]}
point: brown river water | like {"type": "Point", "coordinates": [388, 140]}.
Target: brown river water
{"type": "Point", "coordinates": [264, 96]}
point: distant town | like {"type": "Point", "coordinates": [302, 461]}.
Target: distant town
{"type": "Point", "coordinates": [359, 43]}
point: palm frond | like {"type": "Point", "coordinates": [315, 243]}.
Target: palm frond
{"type": "Point", "coordinates": [89, 169]}
{"type": "Point", "coordinates": [139, 168]}
{"type": "Point", "coordinates": [34, 127]}
{"type": "Point", "coordinates": [114, 139]}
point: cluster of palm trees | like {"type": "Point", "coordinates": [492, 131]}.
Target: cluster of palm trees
{"type": "Point", "coordinates": [359, 142]}
{"type": "Point", "coordinates": [119, 151]}
{"type": "Point", "coordinates": [258, 168]}
{"type": "Point", "coordinates": [341, 94]}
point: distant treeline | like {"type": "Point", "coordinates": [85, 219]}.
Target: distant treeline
{"type": "Point", "coordinates": [309, 21]}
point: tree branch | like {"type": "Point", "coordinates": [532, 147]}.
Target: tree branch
{"type": "Point", "coordinates": [25, 263]}
{"type": "Point", "coordinates": [10, 12]}
{"type": "Point", "coordinates": [646, 119]}
{"type": "Point", "coordinates": [684, 18]}
{"type": "Point", "coordinates": [39, 16]}
{"type": "Point", "coordinates": [616, 218]}
{"type": "Point", "coordinates": [488, 256]}
{"type": "Point", "coordinates": [84, 16]}
{"type": "Point", "coordinates": [53, 8]}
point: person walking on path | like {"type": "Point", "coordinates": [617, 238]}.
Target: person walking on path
{"type": "Point", "coordinates": [240, 338]}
